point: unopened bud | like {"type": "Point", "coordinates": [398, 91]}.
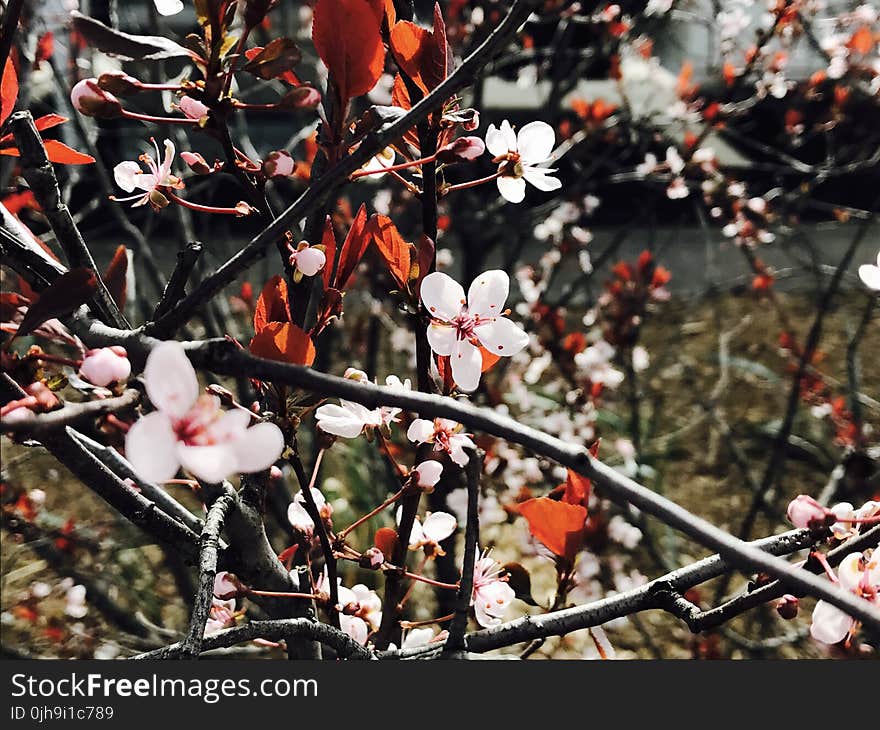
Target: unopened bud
{"type": "Point", "coordinates": [119, 83]}
{"type": "Point", "coordinates": [279, 164]}
{"type": "Point", "coordinates": [196, 163]}
{"type": "Point", "coordinates": [463, 149]}
{"type": "Point", "coordinates": [302, 97]}
{"type": "Point", "coordinates": [192, 108]}
{"type": "Point", "coordinates": [805, 512]}
{"type": "Point", "coordinates": [90, 99]}
{"type": "Point", "coordinates": [787, 606]}
{"type": "Point", "coordinates": [372, 559]}
{"type": "Point", "coordinates": [226, 586]}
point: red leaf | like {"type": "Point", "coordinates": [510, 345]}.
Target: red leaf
{"type": "Point", "coordinates": [489, 359]}
{"type": "Point", "coordinates": [64, 155]}
{"type": "Point", "coordinates": [328, 241]}
{"type": "Point", "coordinates": [421, 54]}
{"type": "Point", "coordinates": [353, 249]}
{"type": "Point", "coordinates": [47, 121]}
{"type": "Point", "coordinates": [8, 90]}
{"type": "Point", "coordinates": [289, 76]}
{"type": "Point", "coordinates": [115, 277]}
{"type": "Point", "coordinates": [347, 38]}
{"type": "Point", "coordinates": [285, 342]}
{"type": "Point", "coordinates": [558, 525]}
{"type": "Point", "coordinates": [862, 41]}
{"type": "Point", "coordinates": [272, 304]}
{"type": "Point", "coordinates": [61, 297]}
{"type": "Point", "coordinates": [386, 540]}
{"type": "Point", "coordinates": [577, 487]}
{"type": "Point", "coordinates": [393, 249]}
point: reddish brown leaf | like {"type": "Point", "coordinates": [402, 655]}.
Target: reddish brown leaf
{"type": "Point", "coordinates": [275, 60]}
{"type": "Point", "coordinates": [272, 304]}
{"type": "Point", "coordinates": [421, 54]}
{"type": "Point", "coordinates": [328, 241]}
{"type": "Point", "coordinates": [353, 249]}
{"type": "Point", "coordinates": [10, 304]}
{"type": "Point", "coordinates": [386, 540]}
{"type": "Point", "coordinates": [64, 155]}
{"type": "Point", "coordinates": [391, 246]}
{"type": "Point", "coordinates": [66, 293]}
{"type": "Point", "coordinates": [862, 41]}
{"type": "Point", "coordinates": [47, 121]}
{"type": "Point", "coordinates": [284, 341]}
{"type": "Point", "coordinates": [347, 38]}
{"type": "Point", "coordinates": [489, 359]}
{"type": "Point", "coordinates": [115, 277]}
{"type": "Point", "coordinates": [8, 90]}
{"type": "Point", "coordinates": [558, 525]}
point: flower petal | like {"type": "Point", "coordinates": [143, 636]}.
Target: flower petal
{"type": "Point", "coordinates": [151, 447]}
{"type": "Point", "coordinates": [442, 338]}
{"type": "Point", "coordinates": [125, 175]}
{"type": "Point", "coordinates": [259, 448]}
{"type": "Point", "coordinates": [496, 142]}
{"type": "Point", "coordinates": [487, 294]}
{"type": "Point", "coordinates": [210, 464]}
{"type": "Point", "coordinates": [438, 526]}
{"type": "Point", "coordinates": [870, 275]}
{"type": "Point", "coordinates": [420, 430]}
{"type": "Point", "coordinates": [541, 178]}
{"type": "Point", "coordinates": [502, 337]}
{"type": "Point", "coordinates": [339, 421]}
{"type": "Point", "coordinates": [512, 189]}
{"type": "Point", "coordinates": [168, 7]}
{"type": "Point", "coordinates": [442, 296]}
{"type": "Point", "coordinates": [830, 624]}
{"type": "Point", "coordinates": [467, 364]}
{"type": "Point", "coordinates": [535, 142]}
{"type": "Point", "coordinates": [171, 380]}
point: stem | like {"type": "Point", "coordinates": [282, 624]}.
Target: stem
{"type": "Point", "coordinates": [393, 168]}
{"type": "Point", "coordinates": [387, 503]}
{"type": "Point", "coordinates": [472, 183]}
{"type": "Point", "coordinates": [198, 207]}
{"type": "Point", "coordinates": [158, 120]}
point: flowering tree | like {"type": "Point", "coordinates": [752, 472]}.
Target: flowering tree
{"type": "Point", "coordinates": [507, 483]}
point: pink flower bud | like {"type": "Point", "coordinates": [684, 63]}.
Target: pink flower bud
{"type": "Point", "coordinates": [90, 99]}
{"type": "Point", "coordinates": [192, 108]}
{"type": "Point", "coordinates": [275, 473]}
{"type": "Point", "coordinates": [302, 97]}
{"type": "Point", "coordinates": [119, 83]}
{"type": "Point", "coordinates": [428, 473]}
{"type": "Point", "coordinates": [787, 606]}
{"type": "Point", "coordinates": [462, 149]}
{"type": "Point", "coordinates": [105, 365]}
{"type": "Point", "coordinates": [372, 559]}
{"type": "Point", "coordinates": [196, 163]}
{"type": "Point", "coordinates": [226, 586]}
{"type": "Point", "coordinates": [279, 164]}
{"type": "Point", "coordinates": [805, 512]}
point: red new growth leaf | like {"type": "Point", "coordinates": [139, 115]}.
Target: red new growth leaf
{"type": "Point", "coordinates": [489, 359]}
{"type": "Point", "coordinates": [386, 541]}
{"type": "Point", "coordinates": [862, 41]}
{"type": "Point", "coordinates": [272, 304]}
{"type": "Point", "coordinates": [69, 291]}
{"type": "Point", "coordinates": [353, 249]}
{"type": "Point", "coordinates": [328, 241]}
{"type": "Point", "coordinates": [558, 525]}
{"type": "Point", "coordinates": [421, 54]}
{"type": "Point", "coordinates": [47, 121]}
{"type": "Point", "coordinates": [391, 246]}
{"type": "Point", "coordinates": [8, 90]}
{"type": "Point", "coordinates": [347, 37]}
{"type": "Point", "coordinates": [64, 155]}
{"type": "Point", "coordinates": [285, 342]}
{"type": "Point", "coordinates": [115, 276]}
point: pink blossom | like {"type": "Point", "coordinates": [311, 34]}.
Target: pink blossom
{"type": "Point", "coordinates": [492, 594]}
{"type": "Point", "coordinates": [307, 260]}
{"type": "Point", "coordinates": [226, 585]}
{"type": "Point", "coordinates": [444, 434]}
{"type": "Point", "coordinates": [349, 419]}
{"type": "Point", "coordinates": [298, 515]}
{"type": "Point", "coordinates": [460, 327]}
{"type": "Point", "coordinates": [105, 365]}
{"type": "Point", "coordinates": [129, 176]}
{"type": "Point", "coordinates": [436, 528]}
{"type": "Point", "coordinates": [463, 149]}
{"type": "Point", "coordinates": [221, 615]}
{"type": "Point", "coordinates": [858, 573]}
{"type": "Point", "coordinates": [522, 157]}
{"type": "Point", "coordinates": [192, 431]}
